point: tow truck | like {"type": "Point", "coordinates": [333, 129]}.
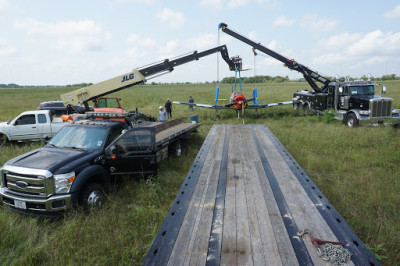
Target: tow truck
{"type": "Point", "coordinates": [85, 160]}
{"type": "Point", "coordinates": [138, 76]}
{"type": "Point", "coordinates": [354, 102]}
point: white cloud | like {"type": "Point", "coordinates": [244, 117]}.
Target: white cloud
{"type": "Point", "coordinates": [214, 4]}
{"type": "Point", "coordinates": [4, 4]}
{"type": "Point", "coordinates": [72, 36]}
{"type": "Point", "coordinates": [377, 43]}
{"type": "Point", "coordinates": [282, 21]}
{"type": "Point", "coordinates": [204, 41]}
{"type": "Point", "coordinates": [6, 50]}
{"type": "Point", "coordinates": [358, 49]}
{"type": "Point", "coordinates": [252, 35]}
{"type": "Point", "coordinates": [232, 4]}
{"type": "Point", "coordinates": [174, 20]}
{"type": "Point", "coordinates": [137, 40]}
{"type": "Point", "coordinates": [339, 41]}
{"type": "Point", "coordinates": [148, 2]}
{"type": "Point", "coordinates": [316, 24]}
{"type": "Point", "coordinates": [237, 3]}
{"type": "Point", "coordinates": [394, 13]}
{"type": "Point", "coordinates": [169, 48]}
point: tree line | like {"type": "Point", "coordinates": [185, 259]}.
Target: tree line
{"type": "Point", "coordinates": [13, 85]}
{"type": "Point", "coordinates": [228, 80]}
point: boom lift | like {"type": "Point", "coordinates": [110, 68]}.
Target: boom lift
{"type": "Point", "coordinates": [354, 102]}
{"type": "Point", "coordinates": [139, 76]}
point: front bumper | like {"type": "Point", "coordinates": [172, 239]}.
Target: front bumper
{"type": "Point", "coordinates": [54, 203]}
{"type": "Point", "coordinates": [367, 120]}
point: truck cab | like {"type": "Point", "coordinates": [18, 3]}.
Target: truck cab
{"type": "Point", "coordinates": [355, 103]}
{"type": "Point", "coordinates": [108, 104]}
{"type": "Point", "coordinates": [83, 161]}
{"type": "Point", "coordinates": [30, 126]}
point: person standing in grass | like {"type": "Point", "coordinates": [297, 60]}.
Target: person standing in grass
{"type": "Point", "coordinates": [168, 108]}
{"type": "Point", "coordinates": [191, 100]}
{"type": "Point", "coordinates": [162, 115]}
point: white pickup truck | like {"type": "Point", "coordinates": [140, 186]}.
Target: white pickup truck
{"type": "Point", "coordinates": [30, 126]}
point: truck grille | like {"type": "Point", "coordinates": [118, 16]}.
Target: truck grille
{"type": "Point", "coordinates": [381, 107]}
{"type": "Point", "coordinates": [25, 185]}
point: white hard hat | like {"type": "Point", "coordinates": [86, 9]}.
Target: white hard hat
{"type": "Point", "coordinates": [160, 107]}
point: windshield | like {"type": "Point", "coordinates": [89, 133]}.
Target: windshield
{"type": "Point", "coordinates": [362, 90]}
{"type": "Point", "coordinates": [87, 138]}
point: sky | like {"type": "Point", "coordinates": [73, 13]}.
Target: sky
{"type": "Point", "coordinates": [47, 42]}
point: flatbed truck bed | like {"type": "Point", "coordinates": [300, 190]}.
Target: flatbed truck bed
{"type": "Point", "coordinates": [243, 202]}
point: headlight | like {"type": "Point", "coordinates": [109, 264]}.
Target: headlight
{"type": "Point", "coordinates": [62, 183]}
{"type": "Point", "coordinates": [364, 112]}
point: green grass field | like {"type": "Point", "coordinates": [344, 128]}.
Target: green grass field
{"type": "Point", "coordinates": [357, 169]}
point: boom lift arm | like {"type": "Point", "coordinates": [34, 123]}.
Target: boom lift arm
{"type": "Point", "coordinates": [310, 75]}
{"type": "Point", "coordinates": [138, 76]}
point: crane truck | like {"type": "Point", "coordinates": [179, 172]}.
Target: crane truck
{"type": "Point", "coordinates": [355, 102]}
{"type": "Point", "coordinates": [138, 76]}
{"type": "Point", "coordinates": [86, 157]}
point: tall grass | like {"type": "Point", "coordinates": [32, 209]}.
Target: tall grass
{"type": "Point", "coordinates": [357, 169]}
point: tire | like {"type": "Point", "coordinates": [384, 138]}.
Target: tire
{"type": "Point", "coordinates": [176, 148]}
{"type": "Point", "coordinates": [140, 118]}
{"type": "Point", "coordinates": [296, 106]}
{"type": "Point", "coordinates": [351, 120]}
{"type": "Point", "coordinates": [3, 140]}
{"type": "Point", "coordinates": [92, 195]}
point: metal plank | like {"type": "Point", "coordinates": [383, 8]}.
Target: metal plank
{"type": "Point", "coordinates": [186, 248]}
{"type": "Point", "coordinates": [215, 241]}
{"type": "Point", "coordinates": [229, 248]}
{"type": "Point", "coordinates": [163, 243]}
{"type": "Point", "coordinates": [244, 254]}
{"type": "Point", "coordinates": [301, 251]}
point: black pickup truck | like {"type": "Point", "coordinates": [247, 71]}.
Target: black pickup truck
{"type": "Point", "coordinates": [79, 164]}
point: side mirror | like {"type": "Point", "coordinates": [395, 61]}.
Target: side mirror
{"type": "Point", "coordinates": [341, 89]}
{"type": "Point", "coordinates": [111, 152]}
{"type": "Point", "coordinates": [383, 89]}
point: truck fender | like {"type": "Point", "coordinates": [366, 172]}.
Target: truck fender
{"type": "Point", "coordinates": [92, 173]}
{"type": "Point", "coordinates": [4, 139]}
{"type": "Point", "coordinates": [354, 111]}
{"type": "Point", "coordinates": [2, 133]}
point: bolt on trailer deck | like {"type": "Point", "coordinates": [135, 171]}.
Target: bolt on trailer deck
{"type": "Point", "coordinates": [354, 102]}
{"type": "Point", "coordinates": [84, 160]}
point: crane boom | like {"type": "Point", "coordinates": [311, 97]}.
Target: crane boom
{"type": "Point", "coordinates": [138, 76]}
{"type": "Point", "coordinates": [310, 75]}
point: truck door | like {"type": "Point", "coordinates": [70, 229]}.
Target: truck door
{"type": "Point", "coordinates": [24, 127]}
{"type": "Point", "coordinates": [133, 152]}
{"type": "Point", "coordinates": [44, 126]}
{"type": "Point", "coordinates": [344, 99]}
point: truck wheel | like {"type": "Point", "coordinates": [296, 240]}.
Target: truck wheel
{"type": "Point", "coordinates": [352, 120]}
{"type": "Point", "coordinates": [140, 118]}
{"type": "Point", "coordinates": [92, 195]}
{"type": "Point", "coordinates": [175, 148]}
{"type": "Point", "coordinates": [3, 140]}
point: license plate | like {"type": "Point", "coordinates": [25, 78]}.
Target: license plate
{"type": "Point", "coordinates": [20, 204]}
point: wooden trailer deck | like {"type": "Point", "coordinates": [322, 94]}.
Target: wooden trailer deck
{"type": "Point", "coordinates": [243, 202]}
